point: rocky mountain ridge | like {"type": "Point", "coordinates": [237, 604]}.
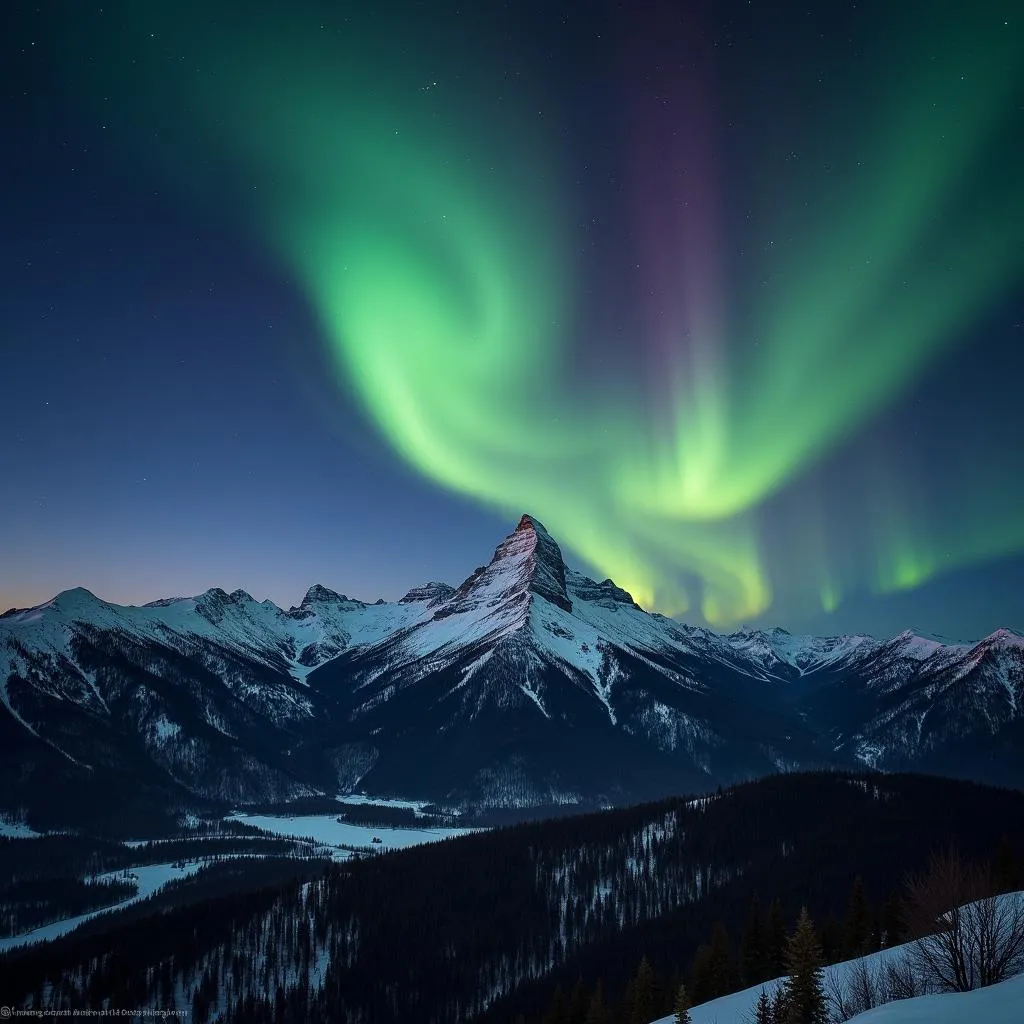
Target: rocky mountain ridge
{"type": "Point", "coordinates": [529, 685]}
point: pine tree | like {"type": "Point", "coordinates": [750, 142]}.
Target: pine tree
{"type": "Point", "coordinates": [722, 968]}
{"type": "Point", "coordinates": [701, 981]}
{"type": "Point", "coordinates": [763, 1013]}
{"type": "Point", "coordinates": [682, 1007]}
{"type": "Point", "coordinates": [597, 1011]}
{"type": "Point", "coordinates": [754, 945]}
{"type": "Point", "coordinates": [776, 940]}
{"type": "Point", "coordinates": [557, 1013]}
{"type": "Point", "coordinates": [578, 1004]}
{"type": "Point", "coordinates": [780, 1006]}
{"type": "Point", "coordinates": [1006, 870]}
{"type": "Point", "coordinates": [857, 925]}
{"type": "Point", "coordinates": [831, 935]}
{"type": "Point", "coordinates": [804, 995]}
{"type": "Point", "coordinates": [642, 1008]}
{"type": "Point", "coordinates": [891, 924]}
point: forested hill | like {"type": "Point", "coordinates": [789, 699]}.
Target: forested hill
{"type": "Point", "coordinates": [486, 927]}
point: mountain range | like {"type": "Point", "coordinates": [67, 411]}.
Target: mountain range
{"type": "Point", "coordinates": [527, 686]}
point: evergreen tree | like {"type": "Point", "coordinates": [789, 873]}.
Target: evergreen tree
{"type": "Point", "coordinates": [891, 924]}
{"type": "Point", "coordinates": [597, 1011]}
{"type": "Point", "coordinates": [857, 924]}
{"type": "Point", "coordinates": [780, 1006]}
{"type": "Point", "coordinates": [776, 940]}
{"type": "Point", "coordinates": [682, 1007]}
{"type": "Point", "coordinates": [763, 1012]}
{"type": "Point", "coordinates": [714, 970]}
{"type": "Point", "coordinates": [754, 945]}
{"type": "Point", "coordinates": [1006, 869]}
{"type": "Point", "coordinates": [832, 943]}
{"type": "Point", "coordinates": [642, 1008]}
{"type": "Point", "coordinates": [578, 1004]}
{"type": "Point", "coordinates": [805, 998]}
{"type": "Point", "coordinates": [722, 966]}
{"type": "Point", "coordinates": [701, 981]}
{"type": "Point", "coordinates": [557, 1013]}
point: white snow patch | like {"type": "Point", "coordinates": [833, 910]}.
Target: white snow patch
{"type": "Point", "coordinates": [17, 830]}
{"type": "Point", "coordinates": [164, 729]}
{"type": "Point", "coordinates": [535, 697]}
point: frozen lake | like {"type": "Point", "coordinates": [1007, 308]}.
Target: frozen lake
{"type": "Point", "coordinates": [328, 831]}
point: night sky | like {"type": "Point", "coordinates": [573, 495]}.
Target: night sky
{"type": "Point", "coordinates": [729, 295]}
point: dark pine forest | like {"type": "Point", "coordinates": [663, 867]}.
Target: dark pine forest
{"type": "Point", "coordinates": [595, 919]}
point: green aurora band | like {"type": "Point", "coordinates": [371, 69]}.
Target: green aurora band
{"type": "Point", "coordinates": [439, 262]}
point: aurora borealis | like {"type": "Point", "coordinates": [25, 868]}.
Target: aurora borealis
{"type": "Point", "coordinates": [729, 298]}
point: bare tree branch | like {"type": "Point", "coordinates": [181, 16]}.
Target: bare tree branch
{"type": "Point", "coordinates": [966, 937]}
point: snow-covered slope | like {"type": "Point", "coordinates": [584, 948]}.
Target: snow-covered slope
{"type": "Point", "coordinates": [997, 1004]}
{"type": "Point", "coordinates": [911, 702]}
{"type": "Point", "coordinates": [295, 640]}
{"type": "Point", "coordinates": [777, 648]}
{"type": "Point", "coordinates": [600, 697]}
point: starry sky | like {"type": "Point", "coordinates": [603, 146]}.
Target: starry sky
{"type": "Point", "coordinates": [730, 295]}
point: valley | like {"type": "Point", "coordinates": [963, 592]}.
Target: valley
{"type": "Point", "coordinates": [318, 801]}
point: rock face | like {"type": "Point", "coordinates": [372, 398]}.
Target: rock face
{"type": "Point", "coordinates": [532, 558]}
{"type": "Point", "coordinates": [527, 562]}
{"type": "Point", "coordinates": [527, 685]}
{"type": "Point", "coordinates": [430, 594]}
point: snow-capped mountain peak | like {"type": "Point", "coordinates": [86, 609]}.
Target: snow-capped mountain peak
{"type": "Point", "coordinates": [487, 683]}
{"type": "Point", "coordinates": [319, 594]}
{"type": "Point", "coordinates": [530, 559]}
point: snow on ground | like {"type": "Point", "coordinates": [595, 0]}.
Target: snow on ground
{"type": "Point", "coordinates": [328, 831]}
{"type": "Point", "coordinates": [360, 799]}
{"type": "Point", "coordinates": [738, 1007]}
{"type": "Point", "coordinates": [16, 830]}
{"type": "Point", "coordinates": [260, 630]}
{"type": "Point", "coordinates": [148, 877]}
{"type": "Point", "coordinates": [997, 1004]}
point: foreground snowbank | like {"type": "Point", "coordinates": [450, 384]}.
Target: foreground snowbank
{"type": "Point", "coordinates": [997, 1004]}
{"type": "Point", "coordinates": [738, 1008]}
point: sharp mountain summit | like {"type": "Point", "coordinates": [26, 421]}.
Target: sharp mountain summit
{"type": "Point", "coordinates": [529, 686]}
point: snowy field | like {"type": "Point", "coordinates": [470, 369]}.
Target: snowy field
{"type": "Point", "coordinates": [994, 1005]}
{"type": "Point", "coordinates": [149, 878]}
{"type": "Point", "coordinates": [328, 831]}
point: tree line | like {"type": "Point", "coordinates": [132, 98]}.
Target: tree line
{"type": "Point", "coordinates": [490, 926]}
{"type": "Point", "coordinates": [964, 938]}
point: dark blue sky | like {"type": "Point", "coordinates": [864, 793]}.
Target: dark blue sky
{"type": "Point", "coordinates": [174, 420]}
